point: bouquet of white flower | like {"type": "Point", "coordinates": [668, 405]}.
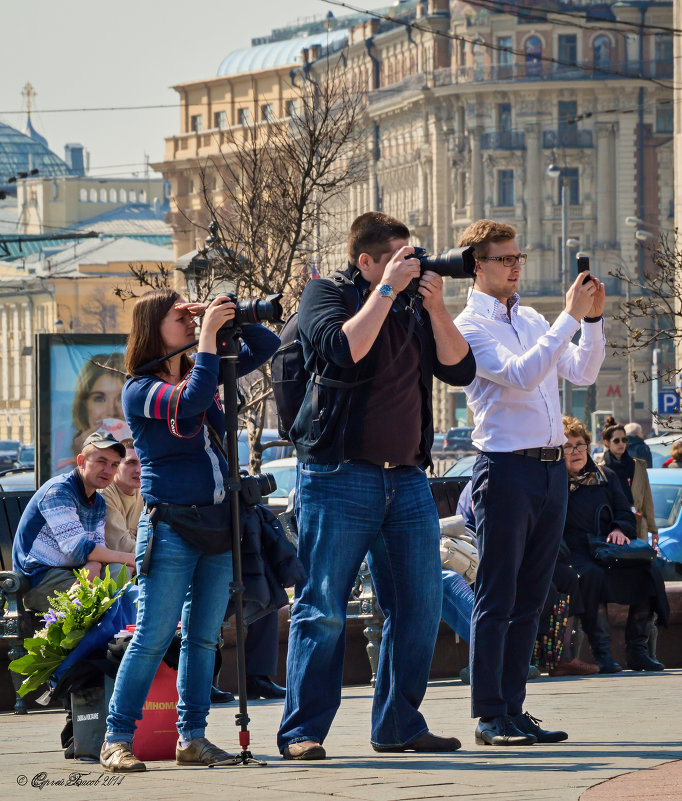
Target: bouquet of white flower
{"type": "Point", "coordinates": [72, 614]}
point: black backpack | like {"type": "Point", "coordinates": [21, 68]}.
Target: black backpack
{"type": "Point", "coordinates": [289, 374]}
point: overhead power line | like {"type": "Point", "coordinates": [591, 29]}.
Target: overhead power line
{"type": "Point", "coordinates": [540, 15]}
{"type": "Point", "coordinates": [98, 108]}
{"type": "Point", "coordinates": [489, 46]}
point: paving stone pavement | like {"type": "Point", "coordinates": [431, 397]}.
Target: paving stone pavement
{"type": "Point", "coordinates": [617, 724]}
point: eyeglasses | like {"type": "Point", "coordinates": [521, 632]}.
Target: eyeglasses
{"type": "Point", "coordinates": [618, 440]}
{"type": "Point", "coordinates": [509, 261]}
{"type": "Point", "coordinates": [582, 448]}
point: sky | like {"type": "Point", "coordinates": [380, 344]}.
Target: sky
{"type": "Point", "coordinates": [89, 53]}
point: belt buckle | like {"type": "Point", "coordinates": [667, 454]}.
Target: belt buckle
{"type": "Point", "coordinates": [548, 454]}
{"type": "Point", "coordinates": [389, 465]}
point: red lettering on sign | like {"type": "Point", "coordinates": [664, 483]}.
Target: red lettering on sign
{"type": "Point", "coordinates": [613, 391]}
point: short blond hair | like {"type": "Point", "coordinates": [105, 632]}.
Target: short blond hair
{"type": "Point", "coordinates": [575, 428]}
{"type": "Point", "coordinates": [482, 232]}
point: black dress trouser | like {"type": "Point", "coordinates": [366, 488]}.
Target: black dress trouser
{"type": "Point", "coordinates": [520, 508]}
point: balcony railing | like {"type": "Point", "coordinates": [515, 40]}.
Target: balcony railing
{"type": "Point", "coordinates": [567, 138]}
{"type": "Point", "coordinates": [547, 71]}
{"type": "Point", "coordinates": [503, 140]}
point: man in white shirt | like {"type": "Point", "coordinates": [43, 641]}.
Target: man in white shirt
{"type": "Point", "coordinates": [520, 484]}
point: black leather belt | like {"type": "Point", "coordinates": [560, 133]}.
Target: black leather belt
{"type": "Point", "coordinates": [543, 454]}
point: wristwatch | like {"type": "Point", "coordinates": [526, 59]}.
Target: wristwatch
{"type": "Point", "coordinates": [387, 291]}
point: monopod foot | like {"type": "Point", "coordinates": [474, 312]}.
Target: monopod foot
{"type": "Point", "coordinates": [245, 758]}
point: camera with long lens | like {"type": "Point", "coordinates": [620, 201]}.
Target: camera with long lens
{"type": "Point", "coordinates": [453, 263]}
{"type": "Point", "coordinates": [254, 488]}
{"type": "Point", "coordinates": [249, 312]}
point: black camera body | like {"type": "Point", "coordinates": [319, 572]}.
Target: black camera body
{"type": "Point", "coordinates": [254, 488]}
{"type": "Point", "coordinates": [248, 312]}
{"type": "Point", "coordinates": [453, 263]}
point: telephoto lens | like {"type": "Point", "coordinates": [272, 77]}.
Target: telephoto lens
{"type": "Point", "coordinates": [453, 263]}
{"type": "Point", "coordinates": [259, 311]}
{"type": "Point", "coordinates": [254, 488]}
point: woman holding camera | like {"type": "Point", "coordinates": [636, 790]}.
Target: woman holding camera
{"type": "Point", "coordinates": [181, 470]}
{"type": "Point", "coordinates": [598, 510]}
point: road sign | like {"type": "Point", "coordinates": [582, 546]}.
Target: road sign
{"type": "Point", "coordinates": [668, 402]}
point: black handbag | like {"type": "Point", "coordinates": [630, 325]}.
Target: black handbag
{"type": "Point", "coordinates": [607, 554]}
{"type": "Point", "coordinates": [208, 528]}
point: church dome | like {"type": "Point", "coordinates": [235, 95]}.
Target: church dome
{"type": "Point", "coordinates": [22, 153]}
{"type": "Point", "coordinates": [30, 131]}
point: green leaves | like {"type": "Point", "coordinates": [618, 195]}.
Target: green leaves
{"type": "Point", "coordinates": [72, 614]}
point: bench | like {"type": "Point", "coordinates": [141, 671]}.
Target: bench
{"type": "Point", "coordinates": [15, 622]}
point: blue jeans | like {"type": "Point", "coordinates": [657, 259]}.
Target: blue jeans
{"type": "Point", "coordinates": [184, 584]}
{"type": "Point", "coordinates": [458, 604]}
{"type": "Point", "coordinates": [346, 511]}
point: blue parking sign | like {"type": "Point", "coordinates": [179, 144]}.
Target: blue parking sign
{"type": "Point", "coordinates": [668, 402]}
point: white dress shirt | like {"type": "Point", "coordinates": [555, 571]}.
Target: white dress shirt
{"type": "Point", "coordinates": [515, 395]}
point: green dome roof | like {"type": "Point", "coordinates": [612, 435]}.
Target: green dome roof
{"type": "Point", "coordinates": [21, 153]}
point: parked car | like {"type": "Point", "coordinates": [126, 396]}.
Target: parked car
{"type": "Point", "coordinates": [660, 448]}
{"type": "Point", "coordinates": [9, 448]}
{"type": "Point", "coordinates": [458, 439]}
{"type": "Point", "coordinates": [269, 454]}
{"type": "Point", "coordinates": [25, 456]}
{"type": "Point", "coordinates": [284, 471]}
{"type": "Point", "coordinates": [462, 468]}
{"type": "Point", "coordinates": [666, 489]}
{"type": "Point", "coordinates": [18, 479]}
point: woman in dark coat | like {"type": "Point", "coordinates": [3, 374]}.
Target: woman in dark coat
{"type": "Point", "coordinates": [641, 588]}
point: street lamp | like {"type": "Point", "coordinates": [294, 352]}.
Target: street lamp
{"type": "Point", "coordinates": [555, 172]}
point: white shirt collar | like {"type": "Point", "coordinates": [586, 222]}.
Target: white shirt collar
{"type": "Point", "coordinates": [490, 307]}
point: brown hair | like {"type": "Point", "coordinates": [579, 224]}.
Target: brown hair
{"type": "Point", "coordinates": [144, 341]}
{"type": "Point", "coordinates": [575, 428]}
{"type": "Point", "coordinates": [371, 233]}
{"type": "Point", "coordinates": [676, 451]}
{"type": "Point", "coordinates": [480, 233]}
{"type": "Point", "coordinates": [128, 443]}
{"type": "Point", "coordinates": [610, 428]}
{"type": "Point", "coordinates": [86, 379]}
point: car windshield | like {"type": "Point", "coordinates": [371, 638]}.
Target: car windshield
{"type": "Point", "coordinates": [667, 503]}
{"type": "Point", "coordinates": [9, 445]}
{"type": "Point", "coordinates": [660, 453]}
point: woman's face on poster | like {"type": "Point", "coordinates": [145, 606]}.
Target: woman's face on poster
{"type": "Point", "coordinates": [104, 400]}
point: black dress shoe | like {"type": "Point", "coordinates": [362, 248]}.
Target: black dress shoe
{"type": "Point", "coordinates": [501, 731]}
{"type": "Point", "coordinates": [220, 696]}
{"type": "Point", "coordinates": [425, 742]}
{"type": "Point", "coordinates": [263, 687]}
{"type": "Point", "coordinates": [607, 664]}
{"type": "Point", "coordinates": [640, 660]}
{"type": "Point", "coordinates": [529, 725]}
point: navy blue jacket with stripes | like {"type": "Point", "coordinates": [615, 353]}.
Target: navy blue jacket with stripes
{"type": "Point", "coordinates": [187, 470]}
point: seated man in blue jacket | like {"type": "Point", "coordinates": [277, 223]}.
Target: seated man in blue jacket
{"type": "Point", "coordinates": [62, 527]}
{"type": "Point", "coordinates": [362, 487]}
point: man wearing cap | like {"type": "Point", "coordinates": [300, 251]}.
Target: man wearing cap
{"type": "Point", "coordinates": [519, 482]}
{"type": "Point", "coordinates": [62, 527]}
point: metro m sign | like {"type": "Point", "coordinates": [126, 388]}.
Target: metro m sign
{"type": "Point", "coordinates": [612, 391]}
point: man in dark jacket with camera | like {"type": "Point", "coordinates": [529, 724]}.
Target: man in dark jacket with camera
{"type": "Point", "coordinates": [362, 488]}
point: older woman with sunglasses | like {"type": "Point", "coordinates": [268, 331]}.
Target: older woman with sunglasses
{"type": "Point", "coordinates": [598, 509]}
{"type": "Point", "coordinates": [633, 476]}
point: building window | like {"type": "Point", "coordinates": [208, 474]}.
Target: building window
{"type": "Point", "coordinates": [505, 57]}
{"type": "Point", "coordinates": [112, 196]}
{"type": "Point", "coordinates": [504, 120]}
{"type": "Point", "coordinates": [219, 119]}
{"type": "Point", "coordinates": [533, 56]}
{"type": "Point", "coordinates": [132, 197]}
{"type": "Point", "coordinates": [505, 188]}
{"type": "Point", "coordinates": [84, 196]}
{"type": "Point", "coordinates": [196, 123]}
{"type": "Point", "coordinates": [568, 111]}
{"type": "Point", "coordinates": [601, 50]}
{"type": "Point", "coordinates": [123, 196]}
{"type": "Point", "coordinates": [568, 50]}
{"type": "Point", "coordinates": [93, 196]}
{"type": "Point", "coordinates": [243, 116]}
{"type": "Point", "coordinates": [143, 196]}
{"type": "Point", "coordinates": [664, 117]}
{"type": "Point", "coordinates": [663, 55]}
{"type": "Point", "coordinates": [103, 195]}
{"type": "Point", "coordinates": [290, 108]}
{"type": "Point", "coordinates": [266, 112]}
